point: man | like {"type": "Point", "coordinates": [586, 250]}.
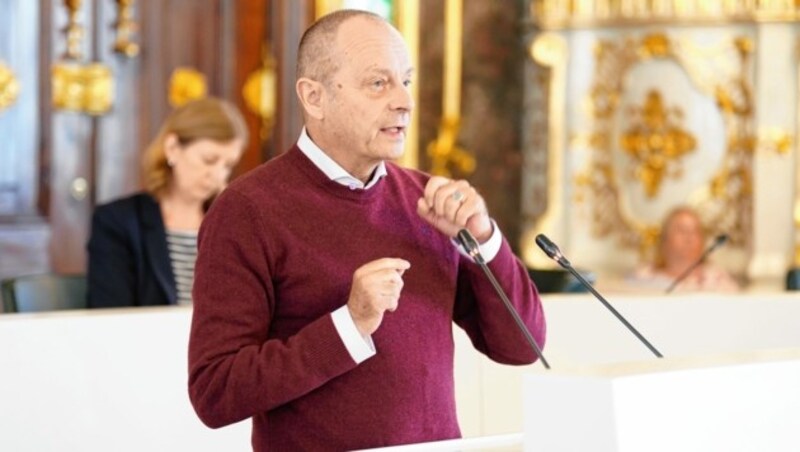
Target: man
{"type": "Point", "coordinates": [327, 279]}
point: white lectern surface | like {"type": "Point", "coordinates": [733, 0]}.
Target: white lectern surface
{"type": "Point", "coordinates": [746, 403]}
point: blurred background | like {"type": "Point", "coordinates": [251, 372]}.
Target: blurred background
{"type": "Point", "coordinates": [584, 120]}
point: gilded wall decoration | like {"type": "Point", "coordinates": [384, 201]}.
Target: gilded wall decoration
{"type": "Point", "coordinates": [725, 199]}
{"type": "Point", "coordinates": [77, 85]}
{"type": "Point", "coordinates": [656, 142]}
{"type": "Point", "coordinates": [9, 87]}
{"type": "Point", "coordinates": [125, 27]}
{"type": "Point", "coordinates": [554, 14]}
{"type": "Point", "coordinates": [85, 88]}
{"type": "Point", "coordinates": [186, 84]}
{"type": "Point", "coordinates": [260, 92]}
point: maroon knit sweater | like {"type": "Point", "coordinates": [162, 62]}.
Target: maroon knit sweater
{"type": "Point", "coordinates": [277, 252]}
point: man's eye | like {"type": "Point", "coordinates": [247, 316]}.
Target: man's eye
{"type": "Point", "coordinates": [407, 83]}
{"type": "Point", "coordinates": [378, 84]}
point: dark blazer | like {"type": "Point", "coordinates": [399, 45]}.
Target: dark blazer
{"type": "Point", "coordinates": [129, 261]}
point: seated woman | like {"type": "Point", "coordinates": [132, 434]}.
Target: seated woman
{"type": "Point", "coordinates": [142, 248]}
{"type": "Point", "coordinates": [681, 245]}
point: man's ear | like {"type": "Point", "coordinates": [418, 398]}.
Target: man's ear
{"type": "Point", "coordinates": [311, 95]}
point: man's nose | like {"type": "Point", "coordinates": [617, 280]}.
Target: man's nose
{"type": "Point", "coordinates": [402, 98]}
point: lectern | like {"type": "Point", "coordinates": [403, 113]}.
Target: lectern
{"type": "Point", "coordinates": [745, 402]}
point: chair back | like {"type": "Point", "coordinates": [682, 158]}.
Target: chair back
{"type": "Point", "coordinates": [47, 292]}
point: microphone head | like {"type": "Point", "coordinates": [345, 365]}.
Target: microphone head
{"type": "Point", "coordinates": [551, 250]}
{"type": "Point", "coordinates": [467, 240]}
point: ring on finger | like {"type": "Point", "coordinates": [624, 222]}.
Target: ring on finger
{"type": "Point", "coordinates": [458, 196]}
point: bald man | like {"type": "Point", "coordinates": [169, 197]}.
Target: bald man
{"type": "Point", "coordinates": [327, 281]}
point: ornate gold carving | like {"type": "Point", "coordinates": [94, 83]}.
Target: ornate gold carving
{"type": "Point", "coordinates": [126, 27]}
{"type": "Point", "coordinates": [558, 14]}
{"type": "Point", "coordinates": [9, 87]}
{"type": "Point", "coordinates": [76, 86]}
{"type": "Point", "coordinates": [445, 154]}
{"type": "Point", "coordinates": [186, 84]}
{"type": "Point", "coordinates": [656, 142]}
{"type": "Point", "coordinates": [84, 88]}
{"type": "Point", "coordinates": [775, 139]}
{"type": "Point", "coordinates": [260, 92]}
{"type": "Point", "coordinates": [726, 201]}
{"type": "Point", "coordinates": [74, 31]}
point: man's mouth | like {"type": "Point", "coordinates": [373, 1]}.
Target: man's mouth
{"type": "Point", "coordinates": [394, 130]}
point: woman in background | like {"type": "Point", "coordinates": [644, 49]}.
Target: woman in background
{"type": "Point", "coordinates": [681, 245]}
{"type": "Point", "coordinates": [142, 248]}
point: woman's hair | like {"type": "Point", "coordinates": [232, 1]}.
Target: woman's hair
{"type": "Point", "coordinates": [203, 119]}
{"type": "Point", "coordinates": [660, 260]}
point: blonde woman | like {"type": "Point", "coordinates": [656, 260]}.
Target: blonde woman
{"type": "Point", "coordinates": [682, 244]}
{"type": "Point", "coordinates": [142, 248]}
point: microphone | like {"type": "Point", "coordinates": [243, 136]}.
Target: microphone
{"type": "Point", "coordinates": [718, 241]}
{"type": "Point", "coordinates": [554, 253]}
{"type": "Point", "coordinates": [471, 247]}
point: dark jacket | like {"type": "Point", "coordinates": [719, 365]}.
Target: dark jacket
{"type": "Point", "coordinates": [128, 258]}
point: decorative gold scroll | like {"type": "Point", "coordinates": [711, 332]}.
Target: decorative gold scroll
{"type": "Point", "coordinates": [726, 202]}
{"type": "Point", "coordinates": [82, 88]}
{"type": "Point", "coordinates": [186, 84]}
{"type": "Point", "coordinates": [561, 14]}
{"type": "Point", "coordinates": [260, 92]}
{"type": "Point", "coordinates": [445, 155]}
{"type": "Point", "coordinates": [125, 27]}
{"type": "Point", "coordinates": [76, 85]}
{"type": "Point", "coordinates": [9, 87]}
{"type": "Point", "coordinates": [74, 31]}
{"type": "Point", "coordinates": [656, 142]}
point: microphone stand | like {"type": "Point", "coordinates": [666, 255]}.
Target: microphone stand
{"type": "Point", "coordinates": [686, 273]}
{"type": "Point", "coordinates": [554, 253]}
{"type": "Point", "coordinates": [471, 246]}
{"type": "Point", "coordinates": [718, 241]}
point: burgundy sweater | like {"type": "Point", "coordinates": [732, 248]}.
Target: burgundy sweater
{"type": "Point", "coordinates": [277, 252]}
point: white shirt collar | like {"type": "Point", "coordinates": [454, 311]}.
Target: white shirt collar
{"type": "Point", "coordinates": [332, 169]}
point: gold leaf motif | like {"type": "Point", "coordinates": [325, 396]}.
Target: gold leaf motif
{"type": "Point", "coordinates": [656, 142]}
{"type": "Point", "coordinates": [444, 152]}
{"type": "Point", "coordinates": [84, 88]}
{"type": "Point", "coordinates": [9, 87]}
{"type": "Point", "coordinates": [186, 84]}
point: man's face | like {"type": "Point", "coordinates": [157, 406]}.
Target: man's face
{"type": "Point", "coordinates": [368, 100]}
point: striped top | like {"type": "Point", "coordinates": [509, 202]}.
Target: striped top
{"type": "Point", "coordinates": [182, 246]}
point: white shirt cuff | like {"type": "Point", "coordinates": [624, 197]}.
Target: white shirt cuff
{"type": "Point", "coordinates": [359, 347]}
{"type": "Point", "coordinates": [489, 249]}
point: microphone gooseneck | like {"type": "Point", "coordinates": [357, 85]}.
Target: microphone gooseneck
{"type": "Point", "coordinates": [718, 241]}
{"type": "Point", "coordinates": [472, 248]}
{"type": "Point", "coordinates": [552, 251]}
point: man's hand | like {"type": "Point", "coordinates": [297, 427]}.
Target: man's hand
{"type": "Point", "coordinates": [375, 290]}
{"type": "Point", "coordinates": [452, 205]}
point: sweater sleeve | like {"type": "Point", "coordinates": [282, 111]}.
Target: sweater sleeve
{"type": "Point", "coordinates": [484, 317]}
{"type": "Point", "coordinates": [235, 369]}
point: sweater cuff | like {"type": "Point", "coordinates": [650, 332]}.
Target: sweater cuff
{"type": "Point", "coordinates": [360, 348]}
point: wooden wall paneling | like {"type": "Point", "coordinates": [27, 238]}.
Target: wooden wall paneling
{"type": "Point", "coordinates": [154, 71]}
{"type": "Point", "coordinates": [290, 20]}
{"type": "Point", "coordinates": [71, 148]}
{"type": "Point", "coordinates": [249, 33]}
{"type": "Point", "coordinates": [118, 141]}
